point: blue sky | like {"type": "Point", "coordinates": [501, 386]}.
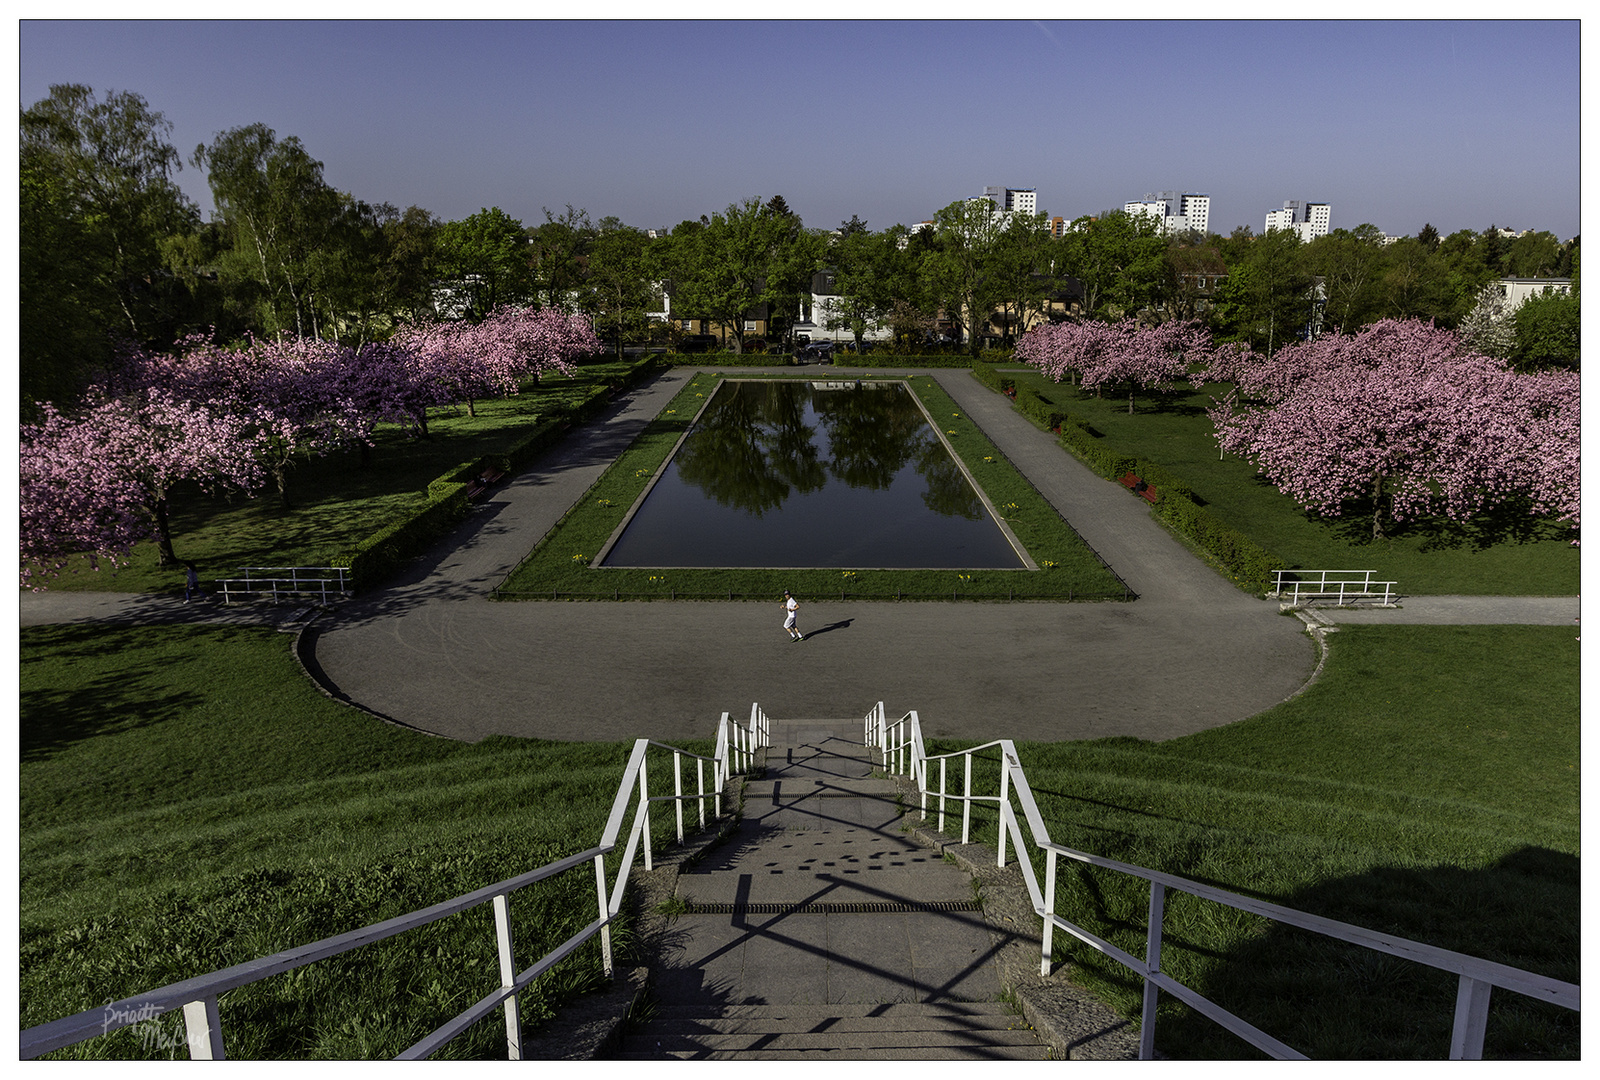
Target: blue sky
{"type": "Point", "coordinates": [1458, 124]}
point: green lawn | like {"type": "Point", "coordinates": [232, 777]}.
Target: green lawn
{"type": "Point", "coordinates": [1426, 786]}
{"type": "Point", "coordinates": [336, 500]}
{"type": "Point", "coordinates": [559, 566]}
{"type": "Point", "coordinates": [1506, 554]}
{"type": "Point", "coordinates": [188, 801]}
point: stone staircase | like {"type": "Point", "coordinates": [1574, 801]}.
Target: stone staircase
{"type": "Point", "coordinates": [819, 929]}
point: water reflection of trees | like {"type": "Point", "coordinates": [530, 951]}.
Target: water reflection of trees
{"type": "Point", "coordinates": [752, 447]}
{"type": "Point", "coordinates": [948, 492]}
{"type": "Point", "coordinates": [873, 432]}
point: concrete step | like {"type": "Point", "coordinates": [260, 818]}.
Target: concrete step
{"type": "Point", "coordinates": [902, 1031]}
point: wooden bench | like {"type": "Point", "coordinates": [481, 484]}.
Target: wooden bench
{"type": "Point", "coordinates": [1139, 487]}
{"type": "Point", "coordinates": [480, 487]}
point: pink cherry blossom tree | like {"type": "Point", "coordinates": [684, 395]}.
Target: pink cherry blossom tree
{"type": "Point", "coordinates": [492, 357]}
{"type": "Point", "coordinates": [97, 482]}
{"type": "Point", "coordinates": [1125, 354]}
{"type": "Point", "coordinates": [1146, 357]}
{"type": "Point", "coordinates": [1401, 413]}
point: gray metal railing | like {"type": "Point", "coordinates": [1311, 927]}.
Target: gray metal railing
{"type": "Point", "coordinates": [323, 582]}
{"type": "Point", "coordinates": [901, 749]}
{"type": "Point", "coordinates": [197, 997]}
{"type": "Point", "coordinates": [1340, 586]}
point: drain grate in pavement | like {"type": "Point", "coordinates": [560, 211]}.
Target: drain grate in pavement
{"type": "Point", "coordinates": [862, 908]}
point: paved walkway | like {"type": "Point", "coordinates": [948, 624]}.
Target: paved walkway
{"type": "Point", "coordinates": [429, 650]}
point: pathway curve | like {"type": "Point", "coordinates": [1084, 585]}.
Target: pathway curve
{"type": "Point", "coordinates": [431, 651]}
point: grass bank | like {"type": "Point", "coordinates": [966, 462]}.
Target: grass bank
{"type": "Point", "coordinates": [1507, 553]}
{"type": "Point", "coordinates": [1379, 797]}
{"type": "Point", "coordinates": [559, 566]}
{"type": "Point", "coordinates": [189, 801]}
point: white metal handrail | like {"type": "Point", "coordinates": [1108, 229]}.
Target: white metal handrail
{"type": "Point", "coordinates": [1344, 585]}
{"type": "Point", "coordinates": [900, 746]}
{"type": "Point", "coordinates": [197, 997]}
{"type": "Point", "coordinates": [287, 581]}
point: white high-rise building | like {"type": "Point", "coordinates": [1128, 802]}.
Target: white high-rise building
{"type": "Point", "coordinates": [1175, 211]}
{"type": "Point", "coordinates": [1015, 200]}
{"type": "Point", "coordinates": [1310, 220]}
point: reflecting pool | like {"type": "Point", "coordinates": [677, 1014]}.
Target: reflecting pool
{"type": "Point", "coordinates": [793, 473]}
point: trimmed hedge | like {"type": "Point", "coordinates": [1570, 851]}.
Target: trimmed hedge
{"type": "Point", "coordinates": [890, 360]}
{"type": "Point", "coordinates": [382, 553]}
{"type": "Point", "coordinates": [988, 376]}
{"type": "Point", "coordinates": [1030, 404]}
{"type": "Point", "coordinates": [726, 359]}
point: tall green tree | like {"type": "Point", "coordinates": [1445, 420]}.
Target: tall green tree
{"type": "Point", "coordinates": [411, 257]}
{"type": "Point", "coordinates": [1548, 331]}
{"type": "Point", "coordinates": [98, 209]}
{"type": "Point", "coordinates": [618, 284]}
{"type": "Point", "coordinates": [865, 279]}
{"type": "Point", "coordinates": [279, 213]}
{"type": "Point", "coordinates": [1121, 260]}
{"type": "Point", "coordinates": [1021, 267]}
{"type": "Point", "coordinates": [1416, 284]}
{"type": "Point", "coordinates": [1350, 264]}
{"type": "Point", "coordinates": [1268, 298]}
{"type": "Point", "coordinates": [958, 271]}
{"type": "Point", "coordinates": [485, 255]}
{"type": "Point", "coordinates": [557, 251]}
{"type": "Point", "coordinates": [732, 262]}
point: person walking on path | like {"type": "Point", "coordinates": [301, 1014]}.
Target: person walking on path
{"type": "Point", "coordinates": [191, 583]}
{"type": "Point", "coordinates": [791, 607]}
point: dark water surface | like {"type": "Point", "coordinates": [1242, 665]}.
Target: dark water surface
{"type": "Point", "coordinates": [791, 473]}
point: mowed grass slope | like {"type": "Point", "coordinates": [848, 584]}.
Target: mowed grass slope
{"type": "Point", "coordinates": [1509, 553]}
{"type": "Point", "coordinates": [1426, 786]}
{"type": "Point", "coordinates": [190, 801]}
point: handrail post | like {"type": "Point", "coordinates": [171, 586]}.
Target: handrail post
{"type": "Point", "coordinates": [1152, 963]}
{"type": "Point", "coordinates": [508, 975]}
{"type": "Point", "coordinates": [677, 791]}
{"type": "Point", "coordinates": [1472, 1019]}
{"type": "Point", "coordinates": [605, 913]}
{"type": "Point", "coordinates": [941, 797]}
{"type": "Point", "coordinates": [1049, 910]}
{"type": "Point", "coordinates": [966, 805]}
{"type": "Point", "coordinates": [202, 1027]}
{"type": "Point", "coordinates": [700, 788]}
{"type": "Point", "coordinates": [644, 804]}
{"type": "Point", "coordinates": [999, 821]}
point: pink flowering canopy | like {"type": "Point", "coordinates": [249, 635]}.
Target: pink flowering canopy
{"type": "Point", "coordinates": [97, 482]}
{"type": "Point", "coordinates": [1403, 412]}
{"type": "Point", "coordinates": [1116, 354]}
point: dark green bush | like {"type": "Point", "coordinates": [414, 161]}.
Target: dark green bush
{"type": "Point", "coordinates": [988, 376]}
{"type": "Point", "coordinates": [1030, 404]}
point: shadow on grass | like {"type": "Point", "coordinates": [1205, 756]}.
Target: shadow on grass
{"type": "Point", "coordinates": [53, 720]}
{"type": "Point", "coordinates": [1511, 523]}
{"type": "Point", "coordinates": [1329, 999]}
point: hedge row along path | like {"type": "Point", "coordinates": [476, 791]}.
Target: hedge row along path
{"type": "Point", "coordinates": [431, 651]}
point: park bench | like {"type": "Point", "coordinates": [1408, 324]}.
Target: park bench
{"type": "Point", "coordinates": [479, 487]}
{"type": "Point", "coordinates": [1139, 487]}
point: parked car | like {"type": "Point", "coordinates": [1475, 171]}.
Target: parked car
{"type": "Point", "coordinates": [821, 351]}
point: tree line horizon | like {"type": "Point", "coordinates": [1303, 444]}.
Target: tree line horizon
{"type": "Point", "coordinates": [113, 253]}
